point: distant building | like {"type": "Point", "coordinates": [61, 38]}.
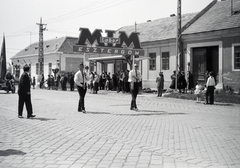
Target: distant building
{"type": "Point", "coordinates": [57, 54]}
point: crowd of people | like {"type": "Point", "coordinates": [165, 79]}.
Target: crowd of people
{"type": "Point", "coordinates": [124, 81]}
{"type": "Point", "coordinates": [206, 90]}
{"type": "Point", "coordinates": [104, 81]}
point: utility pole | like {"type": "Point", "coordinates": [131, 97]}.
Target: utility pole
{"type": "Point", "coordinates": [178, 39]}
{"type": "Point", "coordinates": [40, 47]}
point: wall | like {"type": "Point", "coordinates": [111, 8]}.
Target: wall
{"type": "Point", "coordinates": [149, 76]}
{"type": "Point", "coordinates": [231, 77]}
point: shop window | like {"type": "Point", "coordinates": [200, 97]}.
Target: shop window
{"type": "Point", "coordinates": [152, 61]}
{"type": "Point", "coordinates": [236, 57]}
{"type": "Point", "coordinates": [165, 61]}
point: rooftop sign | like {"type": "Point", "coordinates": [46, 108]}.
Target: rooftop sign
{"type": "Point", "coordinates": [94, 43]}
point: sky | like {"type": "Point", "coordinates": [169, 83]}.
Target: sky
{"type": "Point", "coordinates": [19, 18]}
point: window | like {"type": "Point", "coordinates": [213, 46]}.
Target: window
{"type": "Point", "coordinates": [37, 69]}
{"type": "Point", "coordinates": [152, 61]}
{"type": "Point", "coordinates": [236, 55]}
{"type": "Point", "coordinates": [49, 68]}
{"type": "Point", "coordinates": [165, 61]}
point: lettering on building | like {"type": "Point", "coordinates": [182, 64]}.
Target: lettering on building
{"type": "Point", "coordinates": [94, 43]}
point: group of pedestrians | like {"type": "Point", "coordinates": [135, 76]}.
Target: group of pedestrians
{"type": "Point", "coordinates": [207, 90]}
{"type": "Point", "coordinates": [83, 79]}
{"type": "Point", "coordinates": [105, 81]}
{"type": "Point", "coordinates": [115, 82]}
{"type": "Point", "coordinates": [54, 82]}
{"type": "Point", "coordinates": [182, 85]}
{"type": "Point", "coordinates": [181, 81]}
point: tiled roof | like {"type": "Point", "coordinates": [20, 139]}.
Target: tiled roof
{"type": "Point", "coordinates": [63, 44]}
{"type": "Point", "coordinates": [160, 29]}
{"type": "Point", "coordinates": [218, 17]}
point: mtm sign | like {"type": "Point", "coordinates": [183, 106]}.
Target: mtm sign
{"type": "Point", "coordinates": [94, 43]}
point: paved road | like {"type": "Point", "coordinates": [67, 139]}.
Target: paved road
{"type": "Point", "coordinates": [164, 133]}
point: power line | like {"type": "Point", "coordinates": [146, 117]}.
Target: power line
{"type": "Point", "coordinates": [69, 13]}
{"type": "Point", "coordinates": [19, 35]}
{"type": "Point", "coordinates": [88, 11]}
{"type": "Point", "coordinates": [85, 10]}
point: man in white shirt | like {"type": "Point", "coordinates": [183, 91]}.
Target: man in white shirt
{"type": "Point", "coordinates": [210, 88]}
{"type": "Point", "coordinates": [134, 79]}
{"type": "Point", "coordinates": [80, 78]}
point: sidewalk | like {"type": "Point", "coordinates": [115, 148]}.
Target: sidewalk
{"type": "Point", "coordinates": [164, 133]}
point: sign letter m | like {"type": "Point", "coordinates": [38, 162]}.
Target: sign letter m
{"type": "Point", "coordinates": [133, 38]}
{"type": "Point", "coordinates": [86, 35]}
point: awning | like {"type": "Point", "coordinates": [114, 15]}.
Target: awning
{"type": "Point", "coordinates": [141, 58]}
{"type": "Point", "coordinates": [117, 57]}
{"type": "Point", "coordinates": [107, 58]}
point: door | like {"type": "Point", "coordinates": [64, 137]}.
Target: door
{"type": "Point", "coordinates": [199, 65]}
{"type": "Point", "coordinates": [205, 59]}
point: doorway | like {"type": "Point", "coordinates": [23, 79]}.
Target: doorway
{"type": "Point", "coordinates": [205, 59]}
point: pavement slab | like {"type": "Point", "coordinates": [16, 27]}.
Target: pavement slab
{"type": "Point", "coordinates": [164, 132]}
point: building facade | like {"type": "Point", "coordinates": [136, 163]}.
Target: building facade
{"type": "Point", "coordinates": [58, 54]}
{"type": "Point", "coordinates": [210, 40]}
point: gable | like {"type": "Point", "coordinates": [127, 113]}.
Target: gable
{"type": "Point", "coordinates": [218, 17]}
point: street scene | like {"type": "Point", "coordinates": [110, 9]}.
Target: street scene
{"type": "Point", "coordinates": [120, 84]}
{"type": "Point", "coordinates": [163, 133]}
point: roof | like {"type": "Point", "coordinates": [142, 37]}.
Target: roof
{"type": "Point", "coordinates": [63, 44]}
{"type": "Point", "coordinates": [218, 17]}
{"type": "Point", "coordinates": [160, 29]}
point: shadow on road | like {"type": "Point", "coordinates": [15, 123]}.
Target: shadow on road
{"type": "Point", "coordinates": [223, 104]}
{"type": "Point", "coordinates": [9, 152]}
{"type": "Point", "coordinates": [139, 113]}
{"type": "Point", "coordinates": [150, 113]}
{"type": "Point", "coordinates": [42, 119]}
{"type": "Point", "coordinates": [92, 112]}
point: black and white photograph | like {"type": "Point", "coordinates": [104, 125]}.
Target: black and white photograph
{"type": "Point", "coordinates": [120, 84]}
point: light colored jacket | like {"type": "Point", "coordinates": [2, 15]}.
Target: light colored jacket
{"type": "Point", "coordinates": [78, 78]}
{"type": "Point", "coordinates": [132, 76]}
{"type": "Point", "coordinates": [210, 81]}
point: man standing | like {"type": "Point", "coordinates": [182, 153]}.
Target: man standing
{"type": "Point", "coordinates": [24, 93]}
{"type": "Point", "coordinates": [210, 88]}
{"type": "Point", "coordinates": [134, 79]}
{"type": "Point", "coordinates": [160, 84]}
{"type": "Point", "coordinates": [81, 78]}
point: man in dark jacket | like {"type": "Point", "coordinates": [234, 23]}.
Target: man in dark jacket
{"type": "Point", "coordinates": [24, 93]}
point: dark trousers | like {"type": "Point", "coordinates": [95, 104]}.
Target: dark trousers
{"type": "Point", "coordinates": [27, 100]}
{"type": "Point", "coordinates": [72, 86]}
{"type": "Point", "coordinates": [82, 93]}
{"type": "Point", "coordinates": [134, 92]}
{"type": "Point", "coordinates": [210, 94]}
{"type": "Point", "coordinates": [159, 90]}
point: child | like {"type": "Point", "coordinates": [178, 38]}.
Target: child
{"type": "Point", "coordinates": [198, 92]}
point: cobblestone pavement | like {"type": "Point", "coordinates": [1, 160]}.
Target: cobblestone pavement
{"type": "Point", "coordinates": [164, 133]}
